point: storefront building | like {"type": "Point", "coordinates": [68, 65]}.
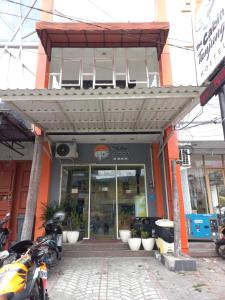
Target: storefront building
{"type": "Point", "coordinates": [106, 108]}
{"type": "Point", "coordinates": [203, 181]}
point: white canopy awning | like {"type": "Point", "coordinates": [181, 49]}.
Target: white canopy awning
{"type": "Point", "coordinates": [70, 111]}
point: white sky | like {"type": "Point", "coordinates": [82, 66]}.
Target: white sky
{"type": "Point", "coordinates": [115, 11]}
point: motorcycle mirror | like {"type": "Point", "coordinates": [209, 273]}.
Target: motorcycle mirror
{"type": "Point", "coordinates": [60, 216]}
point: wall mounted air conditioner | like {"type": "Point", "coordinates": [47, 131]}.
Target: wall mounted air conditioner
{"type": "Point", "coordinates": [66, 150]}
{"type": "Point", "coordinates": [185, 157]}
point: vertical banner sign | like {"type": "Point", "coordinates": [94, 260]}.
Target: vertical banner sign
{"type": "Point", "coordinates": [208, 19]}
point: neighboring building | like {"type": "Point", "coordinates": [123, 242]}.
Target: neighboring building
{"type": "Point", "coordinates": [18, 60]}
{"type": "Point", "coordinates": [200, 133]}
{"type": "Point", "coordinates": [106, 102]}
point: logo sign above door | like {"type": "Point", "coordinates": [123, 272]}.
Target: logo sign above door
{"type": "Point", "coordinates": [101, 152]}
{"type": "Point", "coordinates": [115, 152]}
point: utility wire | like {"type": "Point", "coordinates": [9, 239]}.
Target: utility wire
{"type": "Point", "coordinates": [213, 121]}
{"type": "Point", "coordinates": [62, 15]}
{"type": "Point", "coordinates": [198, 114]}
{"type": "Point", "coordinates": [91, 23]}
{"type": "Point", "coordinates": [101, 9]}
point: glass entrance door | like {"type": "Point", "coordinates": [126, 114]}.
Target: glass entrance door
{"type": "Point", "coordinates": [217, 188]}
{"type": "Point", "coordinates": [103, 202]}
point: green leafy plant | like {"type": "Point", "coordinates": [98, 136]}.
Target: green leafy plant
{"type": "Point", "coordinates": [144, 234]}
{"type": "Point", "coordinates": [75, 222]}
{"type": "Point", "coordinates": [48, 210]}
{"type": "Point", "coordinates": [134, 233]}
{"type": "Point", "coordinates": [125, 220]}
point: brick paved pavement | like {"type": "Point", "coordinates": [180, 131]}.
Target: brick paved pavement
{"type": "Point", "coordinates": [128, 278]}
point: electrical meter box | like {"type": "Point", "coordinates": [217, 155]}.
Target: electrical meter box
{"type": "Point", "coordinates": [202, 226]}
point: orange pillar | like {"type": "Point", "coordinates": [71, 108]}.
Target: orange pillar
{"type": "Point", "coordinates": [44, 188]}
{"type": "Point", "coordinates": [158, 181]}
{"type": "Point", "coordinates": [43, 64]}
{"type": "Point", "coordinates": [42, 79]}
{"type": "Point", "coordinates": [164, 61]}
{"type": "Point", "coordinates": [171, 153]}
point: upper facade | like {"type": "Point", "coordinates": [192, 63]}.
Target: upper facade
{"type": "Point", "coordinates": [124, 55]}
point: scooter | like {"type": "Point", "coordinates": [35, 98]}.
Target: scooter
{"type": "Point", "coordinates": [25, 278]}
{"type": "Point", "coordinates": [53, 231]}
{"type": "Point", "coordinates": [220, 241]}
{"type": "Point", "coordinates": [4, 232]}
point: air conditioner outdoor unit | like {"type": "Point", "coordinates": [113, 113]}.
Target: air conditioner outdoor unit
{"type": "Point", "coordinates": [66, 150]}
{"type": "Point", "coordinates": [185, 157]}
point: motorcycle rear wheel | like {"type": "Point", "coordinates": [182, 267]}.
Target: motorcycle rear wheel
{"type": "Point", "coordinates": [220, 249]}
{"type": "Point", "coordinates": [38, 293]}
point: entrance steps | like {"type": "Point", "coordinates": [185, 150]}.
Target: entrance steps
{"type": "Point", "coordinates": [202, 249]}
{"type": "Point", "coordinates": [95, 248]}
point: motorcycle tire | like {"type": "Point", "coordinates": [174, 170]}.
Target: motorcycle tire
{"type": "Point", "coordinates": [37, 292]}
{"type": "Point", "coordinates": [220, 250]}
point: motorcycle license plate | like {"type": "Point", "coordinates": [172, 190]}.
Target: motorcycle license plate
{"type": "Point", "coordinates": [43, 272]}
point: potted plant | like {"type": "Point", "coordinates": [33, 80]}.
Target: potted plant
{"type": "Point", "coordinates": [124, 227]}
{"type": "Point", "coordinates": [134, 241]}
{"type": "Point", "coordinates": [74, 226]}
{"type": "Point", "coordinates": [147, 241]}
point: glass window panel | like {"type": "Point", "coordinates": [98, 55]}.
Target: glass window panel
{"type": "Point", "coordinates": [137, 70]}
{"type": "Point", "coordinates": [104, 71]}
{"type": "Point", "coordinates": [103, 202]}
{"type": "Point", "coordinates": [217, 188]}
{"type": "Point", "coordinates": [75, 193]}
{"type": "Point", "coordinates": [213, 161]}
{"type": "Point", "coordinates": [197, 187]}
{"type": "Point", "coordinates": [131, 193]}
{"type": "Point", "coordinates": [196, 161]}
{"type": "Point", "coordinates": [71, 72]}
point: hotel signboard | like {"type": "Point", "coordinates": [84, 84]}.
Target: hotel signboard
{"type": "Point", "coordinates": [208, 19]}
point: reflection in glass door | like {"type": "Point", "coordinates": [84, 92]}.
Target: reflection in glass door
{"type": "Point", "coordinates": [217, 188]}
{"type": "Point", "coordinates": [103, 202]}
{"type": "Point", "coordinates": [75, 193]}
{"type": "Point", "coordinates": [131, 193]}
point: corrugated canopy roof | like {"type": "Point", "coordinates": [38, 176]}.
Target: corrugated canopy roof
{"type": "Point", "coordinates": [104, 110]}
{"type": "Point", "coordinates": [102, 35]}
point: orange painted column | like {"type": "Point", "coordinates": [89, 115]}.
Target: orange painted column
{"type": "Point", "coordinates": [171, 153]}
{"type": "Point", "coordinates": [43, 64]}
{"type": "Point", "coordinates": [44, 188]}
{"type": "Point", "coordinates": [164, 61]}
{"type": "Point", "coordinates": [42, 80]}
{"type": "Point", "coordinates": [157, 181]}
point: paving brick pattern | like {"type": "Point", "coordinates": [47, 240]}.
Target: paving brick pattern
{"type": "Point", "coordinates": [134, 278]}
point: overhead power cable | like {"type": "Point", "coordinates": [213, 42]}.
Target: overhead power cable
{"type": "Point", "coordinates": [101, 9]}
{"type": "Point", "coordinates": [112, 27]}
{"type": "Point", "coordinates": [213, 121]}
{"type": "Point", "coordinates": [198, 114]}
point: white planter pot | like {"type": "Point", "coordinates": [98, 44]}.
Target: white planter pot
{"type": "Point", "coordinates": [72, 236]}
{"type": "Point", "coordinates": [65, 237]}
{"type": "Point", "coordinates": [148, 244]}
{"type": "Point", "coordinates": [134, 243]}
{"type": "Point", "coordinates": [125, 234]}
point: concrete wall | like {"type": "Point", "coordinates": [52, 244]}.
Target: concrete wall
{"type": "Point", "coordinates": [135, 154]}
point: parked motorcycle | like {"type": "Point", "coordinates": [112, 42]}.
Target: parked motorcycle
{"type": "Point", "coordinates": [53, 231]}
{"type": "Point", "coordinates": [26, 278]}
{"type": "Point", "coordinates": [220, 241]}
{"type": "Point", "coordinates": [4, 232]}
